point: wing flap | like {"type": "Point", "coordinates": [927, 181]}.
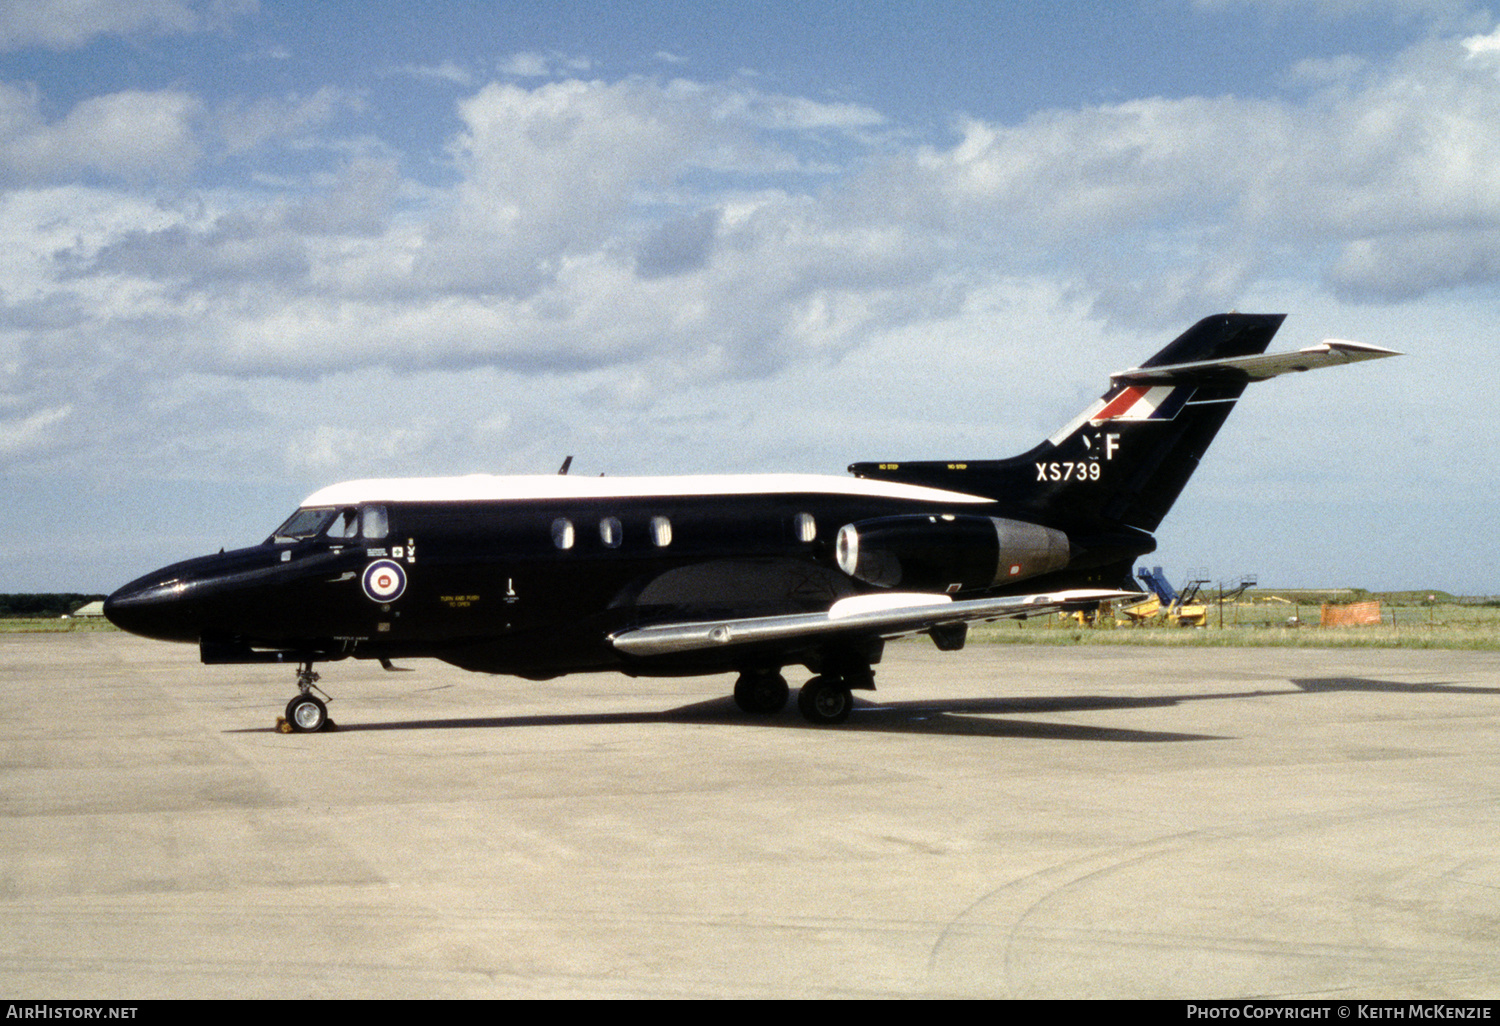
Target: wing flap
{"type": "Point", "coordinates": [884, 615]}
{"type": "Point", "coordinates": [1329, 353]}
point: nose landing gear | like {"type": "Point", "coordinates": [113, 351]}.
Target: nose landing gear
{"type": "Point", "coordinates": [307, 712]}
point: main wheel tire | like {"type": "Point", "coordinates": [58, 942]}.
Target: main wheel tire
{"type": "Point", "coordinates": [306, 714]}
{"type": "Point", "coordinates": [761, 694]}
{"type": "Point", "coordinates": [825, 701]}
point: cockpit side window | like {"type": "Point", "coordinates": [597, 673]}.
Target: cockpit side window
{"type": "Point", "coordinates": [345, 525]}
{"type": "Point", "coordinates": [374, 523]}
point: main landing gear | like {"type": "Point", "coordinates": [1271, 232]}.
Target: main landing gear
{"type": "Point", "coordinates": [826, 700]}
{"type": "Point", "coordinates": [762, 692]}
{"type": "Point", "coordinates": [306, 713]}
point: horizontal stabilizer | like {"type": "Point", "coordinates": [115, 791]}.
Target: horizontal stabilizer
{"type": "Point", "coordinates": [890, 615]}
{"type": "Point", "coordinates": [1330, 353]}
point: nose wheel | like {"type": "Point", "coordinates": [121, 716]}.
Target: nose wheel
{"type": "Point", "coordinates": [306, 713]}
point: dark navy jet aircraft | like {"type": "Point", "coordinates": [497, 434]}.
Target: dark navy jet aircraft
{"type": "Point", "coordinates": [541, 576]}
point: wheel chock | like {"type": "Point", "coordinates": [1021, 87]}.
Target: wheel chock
{"type": "Point", "coordinates": [286, 728]}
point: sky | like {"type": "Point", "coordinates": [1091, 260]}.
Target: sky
{"type": "Point", "coordinates": [248, 249]}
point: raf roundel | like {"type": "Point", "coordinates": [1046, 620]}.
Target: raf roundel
{"type": "Point", "coordinates": [384, 580]}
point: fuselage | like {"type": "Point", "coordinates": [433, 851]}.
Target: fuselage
{"type": "Point", "coordinates": [526, 575]}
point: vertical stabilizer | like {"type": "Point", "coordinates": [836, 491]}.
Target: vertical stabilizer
{"type": "Point", "coordinates": [1123, 461]}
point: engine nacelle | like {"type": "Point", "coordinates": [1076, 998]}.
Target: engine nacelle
{"type": "Point", "coordinates": [949, 552]}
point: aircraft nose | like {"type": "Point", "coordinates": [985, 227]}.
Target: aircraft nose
{"type": "Point", "coordinates": [154, 607]}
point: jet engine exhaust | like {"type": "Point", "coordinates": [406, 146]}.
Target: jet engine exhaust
{"type": "Point", "coordinates": [949, 553]}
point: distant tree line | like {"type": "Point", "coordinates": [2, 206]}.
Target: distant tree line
{"type": "Point", "coordinates": [44, 605]}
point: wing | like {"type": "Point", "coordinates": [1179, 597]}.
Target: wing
{"type": "Point", "coordinates": [1330, 353]}
{"type": "Point", "coordinates": [886, 616]}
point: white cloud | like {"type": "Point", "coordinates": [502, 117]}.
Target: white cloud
{"type": "Point", "coordinates": [1483, 47]}
{"type": "Point", "coordinates": [526, 65]}
{"type": "Point", "coordinates": [444, 71]}
{"type": "Point", "coordinates": [68, 24]}
{"type": "Point", "coordinates": [130, 135]}
{"type": "Point", "coordinates": [795, 113]}
{"type": "Point", "coordinates": [1440, 12]}
{"type": "Point", "coordinates": [31, 434]}
{"type": "Point", "coordinates": [1148, 194]}
{"type": "Point", "coordinates": [1410, 265]}
{"type": "Point", "coordinates": [547, 254]}
{"type": "Point", "coordinates": [551, 172]}
{"type": "Point", "coordinates": [542, 65]}
{"type": "Point", "coordinates": [243, 125]}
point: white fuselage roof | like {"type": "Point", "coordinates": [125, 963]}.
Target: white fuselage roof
{"type": "Point", "coordinates": [512, 488]}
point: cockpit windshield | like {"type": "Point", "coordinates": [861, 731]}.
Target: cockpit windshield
{"type": "Point", "coordinates": [305, 523]}
{"type": "Point", "coordinates": [369, 522]}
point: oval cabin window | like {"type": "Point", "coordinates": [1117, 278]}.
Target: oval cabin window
{"type": "Point", "coordinates": [610, 532]}
{"type": "Point", "coordinates": [661, 532]}
{"type": "Point", "coordinates": [806, 527]}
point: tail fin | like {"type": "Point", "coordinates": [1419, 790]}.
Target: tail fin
{"type": "Point", "coordinates": [1120, 464]}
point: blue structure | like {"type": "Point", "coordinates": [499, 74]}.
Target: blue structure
{"type": "Point", "coordinates": [1156, 580]}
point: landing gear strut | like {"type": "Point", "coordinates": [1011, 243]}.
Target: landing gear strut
{"type": "Point", "coordinates": [306, 713]}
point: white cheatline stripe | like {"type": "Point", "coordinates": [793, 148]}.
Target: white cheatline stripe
{"type": "Point", "coordinates": [489, 487]}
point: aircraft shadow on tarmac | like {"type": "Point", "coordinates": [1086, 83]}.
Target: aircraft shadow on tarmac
{"type": "Point", "coordinates": [971, 717]}
{"type": "Point", "coordinates": [974, 717]}
{"type": "Point", "coordinates": [1394, 687]}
